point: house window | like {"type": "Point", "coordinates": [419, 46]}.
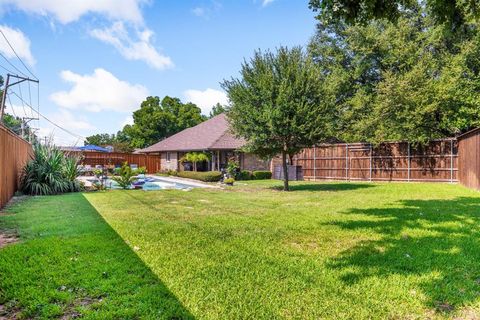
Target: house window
{"type": "Point", "coordinates": [168, 156]}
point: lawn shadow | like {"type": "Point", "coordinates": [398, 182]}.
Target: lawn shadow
{"type": "Point", "coordinates": [169, 307]}
{"type": "Point", "coordinates": [76, 264]}
{"type": "Point", "coordinates": [325, 186]}
{"type": "Point", "coordinates": [420, 238]}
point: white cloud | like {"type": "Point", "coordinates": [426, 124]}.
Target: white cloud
{"type": "Point", "coordinates": [126, 121]}
{"type": "Point", "coordinates": [140, 48]}
{"type": "Point", "coordinates": [75, 124]}
{"type": "Point", "coordinates": [19, 42]}
{"type": "Point", "coordinates": [267, 2]}
{"type": "Point", "coordinates": [99, 91]}
{"type": "Point", "coordinates": [198, 11]}
{"type": "Point", "coordinates": [71, 10]}
{"type": "Point", "coordinates": [207, 10]}
{"type": "Point", "coordinates": [206, 99]}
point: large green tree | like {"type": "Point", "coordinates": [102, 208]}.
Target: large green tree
{"type": "Point", "coordinates": [278, 104]}
{"type": "Point", "coordinates": [409, 80]}
{"type": "Point", "coordinates": [156, 120]}
{"type": "Point", "coordinates": [453, 13]}
{"type": "Point", "coordinates": [118, 142]}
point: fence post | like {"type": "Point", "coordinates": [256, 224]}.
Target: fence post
{"type": "Point", "coordinates": [314, 163]}
{"type": "Point", "coordinates": [451, 161]}
{"type": "Point", "coordinates": [371, 161]}
{"type": "Point", "coordinates": [408, 160]}
{"type": "Point", "coordinates": [346, 161]}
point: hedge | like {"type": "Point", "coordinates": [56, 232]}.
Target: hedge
{"type": "Point", "coordinates": [207, 176]}
{"type": "Point", "coordinates": [244, 175]}
{"type": "Point", "coordinates": [260, 175]}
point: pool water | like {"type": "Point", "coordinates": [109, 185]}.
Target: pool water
{"type": "Point", "coordinates": [149, 184]}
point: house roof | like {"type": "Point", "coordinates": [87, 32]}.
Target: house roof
{"type": "Point", "coordinates": [213, 134]}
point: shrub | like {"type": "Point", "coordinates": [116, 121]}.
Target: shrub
{"type": "Point", "coordinates": [260, 175]}
{"type": "Point", "coordinates": [233, 168]}
{"type": "Point", "coordinates": [244, 175]}
{"type": "Point", "coordinates": [207, 176]}
{"type": "Point", "coordinates": [229, 181]}
{"type": "Point", "coordinates": [126, 176]}
{"type": "Point", "coordinates": [50, 172]}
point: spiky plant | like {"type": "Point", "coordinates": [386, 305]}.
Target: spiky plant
{"type": "Point", "coordinates": [49, 172]}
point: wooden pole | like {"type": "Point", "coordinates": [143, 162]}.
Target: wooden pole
{"type": "Point", "coordinates": [4, 98]}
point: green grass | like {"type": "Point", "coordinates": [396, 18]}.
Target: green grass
{"type": "Point", "coordinates": [70, 263]}
{"type": "Point", "coordinates": [331, 250]}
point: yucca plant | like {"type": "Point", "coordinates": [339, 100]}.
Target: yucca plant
{"type": "Point", "coordinates": [49, 172]}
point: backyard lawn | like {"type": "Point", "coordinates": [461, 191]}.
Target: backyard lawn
{"type": "Point", "coordinates": [324, 250]}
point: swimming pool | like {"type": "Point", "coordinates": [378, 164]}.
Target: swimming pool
{"type": "Point", "coordinates": [154, 183]}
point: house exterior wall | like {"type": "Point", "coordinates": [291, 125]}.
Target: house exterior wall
{"type": "Point", "coordinates": [252, 162]}
{"type": "Point", "coordinates": [169, 165]}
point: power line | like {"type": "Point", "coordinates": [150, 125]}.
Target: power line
{"type": "Point", "coordinates": [11, 47]}
{"type": "Point", "coordinates": [50, 121]}
{"type": "Point", "coordinates": [8, 70]}
{"type": "Point", "coordinates": [8, 61]}
{"type": "Point", "coordinates": [11, 106]}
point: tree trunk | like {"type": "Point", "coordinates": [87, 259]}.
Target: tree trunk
{"type": "Point", "coordinates": [285, 171]}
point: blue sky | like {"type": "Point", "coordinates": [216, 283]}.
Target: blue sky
{"type": "Point", "coordinates": [98, 59]}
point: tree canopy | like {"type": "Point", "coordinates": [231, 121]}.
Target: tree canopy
{"type": "Point", "coordinates": [278, 104]}
{"type": "Point", "coordinates": [410, 80]}
{"type": "Point", "coordinates": [155, 120]}
{"type": "Point", "coordinates": [216, 110]}
{"type": "Point", "coordinates": [453, 13]}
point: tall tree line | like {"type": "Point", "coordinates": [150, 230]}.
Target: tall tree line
{"type": "Point", "coordinates": [409, 79]}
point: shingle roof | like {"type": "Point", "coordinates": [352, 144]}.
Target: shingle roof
{"type": "Point", "coordinates": [213, 134]}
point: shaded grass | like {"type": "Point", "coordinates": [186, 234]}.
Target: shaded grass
{"type": "Point", "coordinates": [70, 263]}
{"type": "Point", "coordinates": [340, 250]}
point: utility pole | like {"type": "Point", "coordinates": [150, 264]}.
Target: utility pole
{"type": "Point", "coordinates": [20, 79]}
{"type": "Point", "coordinates": [4, 97]}
{"type": "Point", "coordinates": [26, 120]}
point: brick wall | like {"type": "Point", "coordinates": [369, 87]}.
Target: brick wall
{"type": "Point", "coordinates": [169, 165]}
{"type": "Point", "coordinates": [253, 162]}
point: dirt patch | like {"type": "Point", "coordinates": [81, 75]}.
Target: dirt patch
{"type": "Point", "coordinates": [7, 238]}
{"type": "Point", "coordinates": [8, 313]}
{"type": "Point", "coordinates": [72, 312]}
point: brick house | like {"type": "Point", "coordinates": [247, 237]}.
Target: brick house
{"type": "Point", "coordinates": [213, 137]}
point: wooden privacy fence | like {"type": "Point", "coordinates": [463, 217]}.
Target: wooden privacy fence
{"type": "Point", "coordinates": [14, 154]}
{"type": "Point", "coordinates": [392, 161]}
{"type": "Point", "coordinates": [151, 162]}
{"type": "Point", "coordinates": [469, 161]}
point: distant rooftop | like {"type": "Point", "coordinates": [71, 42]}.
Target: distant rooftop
{"type": "Point", "coordinates": [213, 134]}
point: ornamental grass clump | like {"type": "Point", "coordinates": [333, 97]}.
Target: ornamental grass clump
{"type": "Point", "coordinates": [51, 171]}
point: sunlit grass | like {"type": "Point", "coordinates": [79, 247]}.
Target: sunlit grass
{"type": "Point", "coordinates": [335, 250]}
{"type": "Point", "coordinates": [324, 250]}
